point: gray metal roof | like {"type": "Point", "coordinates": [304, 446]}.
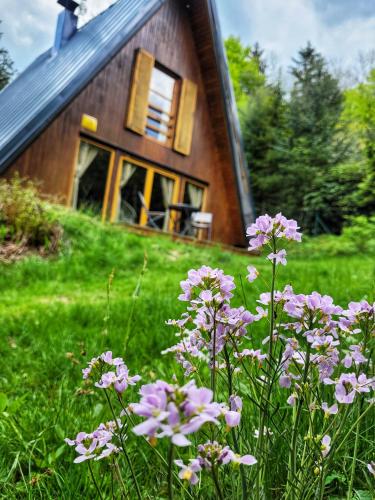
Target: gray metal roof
{"type": "Point", "coordinates": [35, 98]}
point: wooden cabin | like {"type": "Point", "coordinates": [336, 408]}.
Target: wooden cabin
{"type": "Point", "coordinates": [130, 114]}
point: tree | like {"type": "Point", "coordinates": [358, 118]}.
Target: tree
{"type": "Point", "coordinates": [264, 136]}
{"type": "Point", "coordinates": [246, 69]}
{"type": "Point", "coordinates": [359, 119]}
{"type": "Point", "coordinates": [6, 66]}
{"type": "Point", "coordinates": [316, 143]}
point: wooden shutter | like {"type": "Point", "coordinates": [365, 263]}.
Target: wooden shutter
{"type": "Point", "coordinates": [138, 102]}
{"type": "Point", "coordinates": [185, 117]}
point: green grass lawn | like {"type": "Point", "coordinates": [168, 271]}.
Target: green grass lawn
{"type": "Point", "coordinates": [55, 315]}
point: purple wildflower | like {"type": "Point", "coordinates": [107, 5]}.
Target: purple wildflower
{"type": "Point", "coordinates": [253, 274]}
{"type": "Point", "coordinates": [174, 411]}
{"type": "Point", "coordinates": [279, 257]}
{"type": "Point", "coordinates": [329, 410]}
{"type": "Point", "coordinates": [189, 472]}
{"type": "Point", "coordinates": [266, 227]}
{"type": "Point", "coordinates": [326, 445]}
{"type": "Point", "coordinates": [212, 454]}
{"type": "Point", "coordinates": [371, 468]}
{"type": "Point", "coordinates": [96, 445]}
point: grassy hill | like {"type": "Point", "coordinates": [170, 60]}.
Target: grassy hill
{"type": "Point", "coordinates": [57, 313]}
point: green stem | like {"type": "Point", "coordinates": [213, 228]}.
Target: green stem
{"type": "Point", "coordinates": [216, 483]}
{"type": "Point", "coordinates": [213, 359]}
{"type": "Point", "coordinates": [124, 448]}
{"type": "Point", "coordinates": [354, 460]}
{"type": "Point", "coordinates": [94, 481]}
{"type": "Point", "coordinates": [233, 431]}
{"type": "Point", "coordinates": [263, 419]}
{"type": "Point", "coordinates": [170, 471]}
{"type": "Point", "coordinates": [292, 472]}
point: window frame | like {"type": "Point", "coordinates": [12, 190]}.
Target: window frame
{"type": "Point", "coordinates": [110, 169]}
{"type": "Point", "coordinates": [199, 185]}
{"type": "Point", "coordinates": [174, 108]}
{"type": "Point", "coordinates": [151, 170]}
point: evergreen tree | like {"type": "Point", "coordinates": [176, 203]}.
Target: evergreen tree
{"type": "Point", "coordinates": [265, 142]}
{"type": "Point", "coordinates": [316, 144]}
{"type": "Point", "coordinates": [6, 66]}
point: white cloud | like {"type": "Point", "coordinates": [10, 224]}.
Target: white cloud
{"type": "Point", "coordinates": [281, 27]}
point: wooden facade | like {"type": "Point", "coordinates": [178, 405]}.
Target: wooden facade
{"type": "Point", "coordinates": [179, 38]}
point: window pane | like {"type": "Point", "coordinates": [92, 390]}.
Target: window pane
{"type": "Point", "coordinates": [132, 183]}
{"type": "Point", "coordinates": [160, 102]}
{"type": "Point", "coordinates": [161, 196]}
{"type": "Point", "coordinates": [160, 126]}
{"type": "Point", "coordinates": [193, 195]}
{"type": "Point", "coordinates": [92, 170]}
{"type": "Point", "coordinates": [158, 114]}
{"type": "Point", "coordinates": [162, 83]}
{"type": "Point", "coordinates": [156, 135]}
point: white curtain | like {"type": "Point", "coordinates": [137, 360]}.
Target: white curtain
{"type": "Point", "coordinates": [195, 195]}
{"type": "Point", "coordinates": [87, 154]}
{"type": "Point", "coordinates": [127, 171]}
{"type": "Point", "coordinates": [167, 186]}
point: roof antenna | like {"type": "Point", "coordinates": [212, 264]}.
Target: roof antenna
{"type": "Point", "coordinates": [66, 24]}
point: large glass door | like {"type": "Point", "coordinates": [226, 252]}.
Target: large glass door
{"type": "Point", "coordinates": [143, 194]}
{"type": "Point", "coordinates": [131, 185]}
{"type": "Point", "coordinates": [91, 179]}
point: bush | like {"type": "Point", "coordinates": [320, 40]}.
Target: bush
{"type": "Point", "coordinates": [27, 223]}
{"type": "Point", "coordinates": [358, 237]}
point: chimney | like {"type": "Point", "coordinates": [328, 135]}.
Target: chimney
{"type": "Point", "coordinates": [66, 23]}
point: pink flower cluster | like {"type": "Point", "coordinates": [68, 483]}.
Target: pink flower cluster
{"type": "Point", "coordinates": [175, 412]}
{"type": "Point", "coordinates": [214, 322]}
{"type": "Point", "coordinates": [118, 377]}
{"type": "Point", "coordinates": [211, 454]}
{"type": "Point", "coordinates": [265, 228]}
{"type": "Point", "coordinates": [208, 279]}
{"type": "Point", "coordinates": [96, 445]}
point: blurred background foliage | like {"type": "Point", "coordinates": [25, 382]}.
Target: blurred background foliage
{"type": "Point", "coordinates": [310, 147]}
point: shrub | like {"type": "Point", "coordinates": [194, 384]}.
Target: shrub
{"type": "Point", "coordinates": [27, 223]}
{"type": "Point", "coordinates": [273, 403]}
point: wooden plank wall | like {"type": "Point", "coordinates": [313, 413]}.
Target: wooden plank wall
{"type": "Point", "coordinates": [180, 40]}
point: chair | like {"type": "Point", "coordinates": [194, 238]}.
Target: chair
{"type": "Point", "coordinates": [202, 220]}
{"type": "Point", "coordinates": [152, 215]}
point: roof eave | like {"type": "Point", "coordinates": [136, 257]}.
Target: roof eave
{"type": "Point", "coordinates": [232, 122]}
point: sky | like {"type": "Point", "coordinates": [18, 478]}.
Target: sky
{"type": "Point", "coordinates": [339, 29]}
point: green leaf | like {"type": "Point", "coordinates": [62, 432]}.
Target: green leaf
{"type": "Point", "coordinates": [362, 495]}
{"type": "Point", "coordinates": [98, 408]}
{"type": "Point", "coordinates": [3, 401]}
{"type": "Point", "coordinates": [60, 451]}
{"type": "Point", "coordinates": [329, 479]}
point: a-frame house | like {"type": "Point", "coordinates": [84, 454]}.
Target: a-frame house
{"type": "Point", "coordinates": [132, 113]}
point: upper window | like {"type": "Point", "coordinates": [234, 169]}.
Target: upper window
{"type": "Point", "coordinates": [160, 120]}
{"type": "Point", "coordinates": [160, 106]}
